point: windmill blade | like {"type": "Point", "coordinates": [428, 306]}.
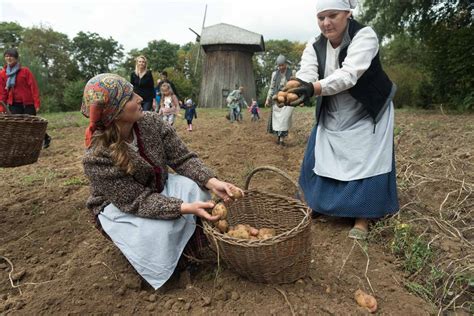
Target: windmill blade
{"type": "Point", "coordinates": [199, 47]}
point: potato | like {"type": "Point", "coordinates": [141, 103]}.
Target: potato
{"type": "Point", "coordinates": [239, 233]}
{"type": "Point", "coordinates": [281, 94]}
{"type": "Point", "coordinates": [253, 231]}
{"type": "Point", "coordinates": [240, 226]}
{"type": "Point", "coordinates": [221, 210]}
{"type": "Point", "coordinates": [222, 225]}
{"type": "Point", "coordinates": [290, 97]}
{"type": "Point", "coordinates": [366, 300]}
{"type": "Point", "coordinates": [265, 233]}
{"type": "Point", "coordinates": [292, 84]}
{"type": "Point", "coordinates": [237, 194]}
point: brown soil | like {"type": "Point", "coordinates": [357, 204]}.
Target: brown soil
{"type": "Point", "coordinates": [71, 268]}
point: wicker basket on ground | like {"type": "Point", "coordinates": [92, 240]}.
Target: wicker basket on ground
{"type": "Point", "coordinates": [21, 139]}
{"type": "Point", "coordinates": [283, 258]}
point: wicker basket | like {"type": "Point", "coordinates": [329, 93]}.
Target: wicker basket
{"type": "Point", "coordinates": [280, 259]}
{"type": "Point", "coordinates": [21, 139]}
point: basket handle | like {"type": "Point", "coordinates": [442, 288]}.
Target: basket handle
{"type": "Point", "coordinates": [278, 171]}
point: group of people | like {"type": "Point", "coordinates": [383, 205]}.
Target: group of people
{"type": "Point", "coordinates": [163, 98]}
{"type": "Point", "coordinates": [348, 169]}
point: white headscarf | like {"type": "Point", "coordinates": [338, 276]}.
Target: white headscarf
{"type": "Point", "coordinates": [344, 5]}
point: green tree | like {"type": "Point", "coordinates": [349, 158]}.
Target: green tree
{"type": "Point", "coordinates": [444, 33]}
{"type": "Point", "coordinates": [161, 54]}
{"type": "Point", "coordinates": [95, 54]}
{"type": "Point", "coordinates": [73, 95]}
{"type": "Point", "coordinates": [11, 35]}
{"type": "Point", "coordinates": [53, 51]}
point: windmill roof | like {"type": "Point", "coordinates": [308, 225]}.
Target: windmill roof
{"type": "Point", "coordinates": [222, 33]}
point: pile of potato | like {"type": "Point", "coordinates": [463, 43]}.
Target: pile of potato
{"type": "Point", "coordinates": [283, 97]}
{"type": "Point", "coordinates": [242, 231]}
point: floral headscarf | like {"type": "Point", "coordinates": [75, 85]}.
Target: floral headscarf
{"type": "Point", "coordinates": [104, 97]}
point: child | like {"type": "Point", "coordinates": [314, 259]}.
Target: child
{"type": "Point", "coordinates": [190, 113]}
{"type": "Point", "coordinates": [254, 110]}
{"type": "Point", "coordinates": [169, 105]}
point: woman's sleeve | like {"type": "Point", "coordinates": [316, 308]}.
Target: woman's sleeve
{"type": "Point", "coordinates": [126, 193]}
{"type": "Point", "coordinates": [360, 53]}
{"type": "Point", "coordinates": [309, 64]}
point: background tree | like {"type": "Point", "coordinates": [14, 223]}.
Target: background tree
{"type": "Point", "coordinates": [11, 35]}
{"type": "Point", "coordinates": [161, 54]}
{"type": "Point", "coordinates": [95, 54]}
{"type": "Point", "coordinates": [53, 51]}
{"type": "Point", "coordinates": [440, 42]}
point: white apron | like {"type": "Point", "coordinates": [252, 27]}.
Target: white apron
{"type": "Point", "coordinates": [154, 246]}
{"type": "Point", "coordinates": [281, 118]}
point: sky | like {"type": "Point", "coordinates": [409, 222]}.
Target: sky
{"type": "Point", "coordinates": [134, 23]}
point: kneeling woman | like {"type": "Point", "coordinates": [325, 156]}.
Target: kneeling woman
{"type": "Point", "coordinates": [149, 214]}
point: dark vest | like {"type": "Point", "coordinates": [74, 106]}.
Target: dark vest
{"type": "Point", "coordinates": [278, 79]}
{"type": "Point", "coordinates": [373, 89]}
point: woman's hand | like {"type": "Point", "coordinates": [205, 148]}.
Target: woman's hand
{"type": "Point", "coordinates": [199, 209]}
{"type": "Point", "coordinates": [222, 189]}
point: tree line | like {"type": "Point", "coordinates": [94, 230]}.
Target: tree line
{"type": "Point", "coordinates": [426, 48]}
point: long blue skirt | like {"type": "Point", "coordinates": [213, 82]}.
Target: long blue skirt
{"type": "Point", "coordinates": [372, 197]}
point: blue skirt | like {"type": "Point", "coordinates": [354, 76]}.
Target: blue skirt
{"type": "Point", "coordinates": [372, 197]}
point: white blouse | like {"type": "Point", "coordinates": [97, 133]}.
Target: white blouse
{"type": "Point", "coordinates": [347, 148]}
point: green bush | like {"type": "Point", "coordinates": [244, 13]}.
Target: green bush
{"type": "Point", "coordinates": [73, 95]}
{"type": "Point", "coordinates": [413, 86]}
{"type": "Point", "coordinates": [50, 103]}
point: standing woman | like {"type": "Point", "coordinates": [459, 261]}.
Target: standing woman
{"type": "Point", "coordinates": [280, 117]}
{"type": "Point", "coordinates": [18, 89]}
{"type": "Point", "coordinates": [143, 83]}
{"type": "Point", "coordinates": [147, 212]}
{"type": "Point", "coordinates": [348, 168]}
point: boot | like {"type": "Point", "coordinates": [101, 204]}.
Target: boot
{"type": "Point", "coordinates": [190, 127]}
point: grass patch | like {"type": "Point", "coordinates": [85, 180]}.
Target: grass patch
{"type": "Point", "coordinates": [75, 181]}
{"type": "Point", "coordinates": [65, 119]}
{"type": "Point", "coordinates": [40, 176]}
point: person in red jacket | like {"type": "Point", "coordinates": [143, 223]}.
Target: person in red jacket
{"type": "Point", "coordinates": [18, 89]}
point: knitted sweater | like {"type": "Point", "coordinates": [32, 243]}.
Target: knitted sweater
{"type": "Point", "coordinates": [136, 193]}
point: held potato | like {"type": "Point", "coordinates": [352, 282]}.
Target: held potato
{"type": "Point", "coordinates": [292, 84]}
{"type": "Point", "coordinates": [291, 97]}
{"type": "Point", "coordinates": [236, 193]}
{"type": "Point", "coordinates": [220, 210]}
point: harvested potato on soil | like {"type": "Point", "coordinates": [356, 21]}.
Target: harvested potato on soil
{"type": "Point", "coordinates": [366, 300]}
{"type": "Point", "coordinates": [220, 210]}
{"type": "Point", "coordinates": [222, 226]}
